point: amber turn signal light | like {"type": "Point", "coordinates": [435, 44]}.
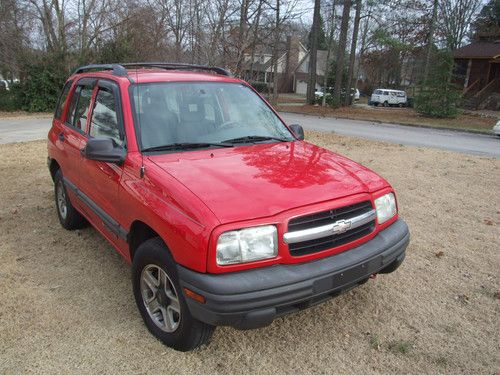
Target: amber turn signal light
{"type": "Point", "coordinates": [197, 297]}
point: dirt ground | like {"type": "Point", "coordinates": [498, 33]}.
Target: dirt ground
{"type": "Point", "coordinates": [407, 116]}
{"type": "Point", "coordinates": [66, 303]}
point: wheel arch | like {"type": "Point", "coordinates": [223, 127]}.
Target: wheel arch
{"type": "Point", "coordinates": [53, 168]}
{"type": "Point", "coordinates": [139, 233]}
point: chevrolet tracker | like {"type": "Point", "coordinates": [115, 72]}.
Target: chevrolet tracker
{"type": "Point", "coordinates": [226, 214]}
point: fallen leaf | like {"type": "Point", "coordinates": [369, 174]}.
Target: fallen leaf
{"type": "Point", "coordinates": [497, 294]}
{"type": "Point", "coordinates": [489, 222]}
{"type": "Point", "coordinates": [439, 254]}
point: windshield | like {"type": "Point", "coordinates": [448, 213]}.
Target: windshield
{"type": "Point", "coordinates": [203, 112]}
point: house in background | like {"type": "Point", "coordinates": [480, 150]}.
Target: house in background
{"type": "Point", "coordinates": [477, 71]}
{"type": "Point", "coordinates": [301, 75]}
{"type": "Point", "coordinates": [259, 67]}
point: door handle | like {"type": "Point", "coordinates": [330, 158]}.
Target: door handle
{"type": "Point", "coordinates": [61, 137]}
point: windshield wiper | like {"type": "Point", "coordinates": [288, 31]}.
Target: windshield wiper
{"type": "Point", "coordinates": [186, 145]}
{"type": "Point", "coordinates": [254, 138]}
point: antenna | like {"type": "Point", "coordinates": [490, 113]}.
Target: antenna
{"type": "Point", "coordinates": [139, 110]}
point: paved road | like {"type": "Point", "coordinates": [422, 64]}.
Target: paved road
{"type": "Point", "coordinates": [478, 144]}
{"type": "Point", "coordinates": [18, 130]}
{"type": "Point", "coordinates": [23, 129]}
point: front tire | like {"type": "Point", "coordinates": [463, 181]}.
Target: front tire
{"type": "Point", "coordinates": [386, 104]}
{"type": "Point", "coordinates": [160, 299]}
{"type": "Point", "coordinates": [69, 217]}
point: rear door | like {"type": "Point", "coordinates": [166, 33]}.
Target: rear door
{"type": "Point", "coordinates": [100, 180]}
{"type": "Point", "coordinates": [72, 134]}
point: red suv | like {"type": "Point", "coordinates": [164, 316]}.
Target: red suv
{"type": "Point", "coordinates": [226, 214]}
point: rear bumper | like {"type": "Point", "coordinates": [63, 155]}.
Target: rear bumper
{"type": "Point", "coordinates": [254, 298]}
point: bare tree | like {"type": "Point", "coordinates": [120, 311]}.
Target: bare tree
{"type": "Point", "coordinates": [455, 18]}
{"type": "Point", "coordinates": [341, 52]}
{"type": "Point", "coordinates": [331, 28]}
{"type": "Point", "coordinates": [430, 39]}
{"type": "Point", "coordinates": [352, 58]}
{"type": "Point", "coordinates": [313, 53]}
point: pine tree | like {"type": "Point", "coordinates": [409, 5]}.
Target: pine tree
{"type": "Point", "coordinates": [438, 96]}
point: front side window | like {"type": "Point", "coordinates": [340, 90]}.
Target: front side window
{"type": "Point", "coordinates": [104, 121]}
{"type": "Point", "coordinates": [189, 112]}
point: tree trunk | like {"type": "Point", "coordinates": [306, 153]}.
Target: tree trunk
{"type": "Point", "coordinates": [341, 53]}
{"type": "Point", "coordinates": [313, 53]}
{"type": "Point", "coordinates": [254, 40]}
{"type": "Point", "coordinates": [432, 26]}
{"type": "Point", "coordinates": [328, 53]}
{"type": "Point", "coordinates": [352, 59]}
{"type": "Point", "coordinates": [363, 43]}
{"type": "Point", "coordinates": [274, 64]}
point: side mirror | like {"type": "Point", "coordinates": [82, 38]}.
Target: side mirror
{"type": "Point", "coordinates": [298, 131]}
{"type": "Point", "coordinates": [104, 149]}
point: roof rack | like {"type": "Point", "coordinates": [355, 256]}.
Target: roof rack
{"type": "Point", "coordinates": [178, 66]}
{"type": "Point", "coordinates": [120, 69]}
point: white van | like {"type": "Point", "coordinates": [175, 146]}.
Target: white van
{"type": "Point", "coordinates": [388, 97]}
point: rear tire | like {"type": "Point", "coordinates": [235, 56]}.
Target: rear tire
{"type": "Point", "coordinates": [160, 299]}
{"type": "Point", "coordinates": [386, 104]}
{"type": "Point", "coordinates": [69, 217]}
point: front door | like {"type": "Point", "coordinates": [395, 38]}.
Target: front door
{"type": "Point", "coordinates": [100, 181]}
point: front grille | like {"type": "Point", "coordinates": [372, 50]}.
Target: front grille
{"type": "Point", "coordinates": [325, 218]}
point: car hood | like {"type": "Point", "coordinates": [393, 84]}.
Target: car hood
{"type": "Point", "coordinates": [256, 181]}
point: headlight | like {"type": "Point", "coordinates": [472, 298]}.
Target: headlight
{"type": "Point", "coordinates": [386, 207]}
{"type": "Point", "coordinates": [247, 245]}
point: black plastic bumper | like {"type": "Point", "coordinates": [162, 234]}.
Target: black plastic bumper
{"type": "Point", "coordinates": [254, 298]}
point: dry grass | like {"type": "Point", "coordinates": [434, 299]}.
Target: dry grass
{"type": "Point", "coordinates": [406, 116]}
{"type": "Point", "coordinates": [66, 304]}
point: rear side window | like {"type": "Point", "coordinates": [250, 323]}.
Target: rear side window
{"type": "Point", "coordinates": [79, 108]}
{"type": "Point", "coordinates": [62, 100]}
{"type": "Point", "coordinates": [104, 121]}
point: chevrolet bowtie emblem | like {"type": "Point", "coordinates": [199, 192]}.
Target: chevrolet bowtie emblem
{"type": "Point", "coordinates": [341, 226]}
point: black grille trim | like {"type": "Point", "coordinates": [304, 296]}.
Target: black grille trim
{"type": "Point", "coordinates": [325, 218]}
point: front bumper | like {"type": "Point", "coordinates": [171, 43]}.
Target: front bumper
{"type": "Point", "coordinates": [254, 298]}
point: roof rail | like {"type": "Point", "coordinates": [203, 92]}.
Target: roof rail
{"type": "Point", "coordinates": [120, 69]}
{"type": "Point", "coordinates": [178, 66]}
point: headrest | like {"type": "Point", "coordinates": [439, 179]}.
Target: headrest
{"type": "Point", "coordinates": [192, 110]}
{"type": "Point", "coordinates": [153, 100]}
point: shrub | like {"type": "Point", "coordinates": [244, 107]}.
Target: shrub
{"type": "Point", "coordinates": [40, 86]}
{"type": "Point", "coordinates": [259, 86]}
{"type": "Point", "coordinates": [9, 99]}
{"type": "Point", "coordinates": [438, 97]}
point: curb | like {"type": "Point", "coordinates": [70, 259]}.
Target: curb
{"type": "Point", "coordinates": [472, 131]}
